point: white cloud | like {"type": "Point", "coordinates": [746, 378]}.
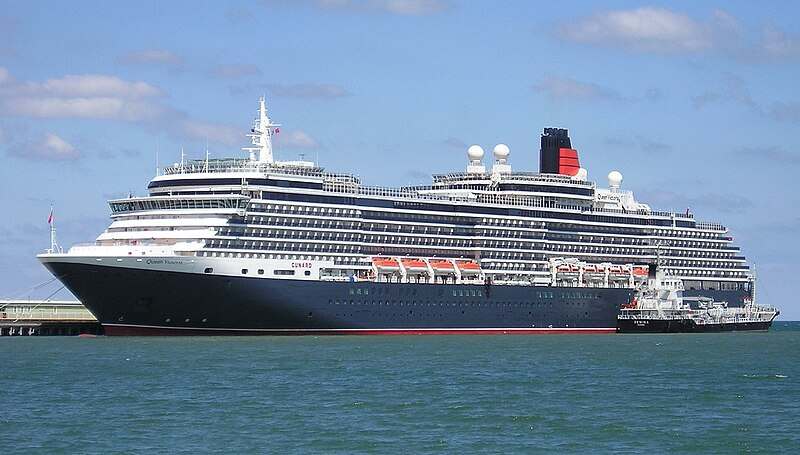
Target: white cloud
{"type": "Point", "coordinates": [213, 132]}
{"type": "Point", "coordinates": [296, 139]}
{"type": "Point", "coordinates": [94, 85]}
{"type": "Point", "coordinates": [456, 143]}
{"type": "Point", "coordinates": [4, 76]}
{"type": "Point", "coordinates": [102, 108]}
{"type": "Point", "coordinates": [560, 88]}
{"type": "Point", "coordinates": [411, 7]}
{"type": "Point", "coordinates": [103, 97]}
{"type": "Point", "coordinates": [643, 29]}
{"type": "Point", "coordinates": [770, 155]}
{"type": "Point", "coordinates": [49, 147]}
{"type": "Point", "coordinates": [396, 7]}
{"type": "Point", "coordinates": [235, 71]}
{"type": "Point", "coordinates": [156, 57]}
{"type": "Point", "coordinates": [307, 90]}
{"type": "Point", "coordinates": [778, 44]}
{"type": "Point", "coordinates": [662, 31]}
{"type": "Point", "coordinates": [734, 90]}
{"type": "Point", "coordinates": [83, 96]}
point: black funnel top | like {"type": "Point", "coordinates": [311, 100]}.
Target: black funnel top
{"type": "Point", "coordinates": [553, 139]}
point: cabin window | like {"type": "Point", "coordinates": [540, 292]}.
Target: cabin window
{"type": "Point", "coordinates": [244, 271]}
{"type": "Point", "coordinates": [283, 272]}
{"type": "Point", "coordinates": [260, 271]}
{"type": "Point", "coordinates": [208, 270]}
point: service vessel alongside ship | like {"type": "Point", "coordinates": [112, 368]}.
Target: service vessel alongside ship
{"type": "Point", "coordinates": [659, 307]}
{"type": "Point", "coordinates": [260, 246]}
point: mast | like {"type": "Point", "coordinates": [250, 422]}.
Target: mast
{"type": "Point", "coordinates": [51, 220]}
{"type": "Point", "coordinates": [261, 135]}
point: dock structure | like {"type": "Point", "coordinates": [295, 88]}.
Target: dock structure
{"type": "Point", "coordinates": [46, 318]}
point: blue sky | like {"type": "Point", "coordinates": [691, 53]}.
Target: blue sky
{"type": "Point", "coordinates": [695, 103]}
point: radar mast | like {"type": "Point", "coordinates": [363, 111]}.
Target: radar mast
{"type": "Point", "coordinates": [261, 135]}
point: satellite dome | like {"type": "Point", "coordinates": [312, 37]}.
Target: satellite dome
{"type": "Point", "coordinates": [475, 153]}
{"type": "Point", "coordinates": [614, 179]}
{"type": "Point", "coordinates": [501, 151]}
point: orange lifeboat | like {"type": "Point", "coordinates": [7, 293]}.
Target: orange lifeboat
{"type": "Point", "coordinates": [616, 270]}
{"type": "Point", "coordinates": [640, 271]}
{"type": "Point", "coordinates": [563, 268]}
{"type": "Point", "coordinates": [589, 268]}
{"type": "Point", "coordinates": [414, 265]}
{"type": "Point", "coordinates": [444, 266]}
{"type": "Point", "coordinates": [385, 264]}
{"type": "Point", "coordinates": [468, 266]}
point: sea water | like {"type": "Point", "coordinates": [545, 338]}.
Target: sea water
{"type": "Point", "coordinates": [714, 393]}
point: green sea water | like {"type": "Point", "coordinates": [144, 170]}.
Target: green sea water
{"type": "Point", "coordinates": [709, 393]}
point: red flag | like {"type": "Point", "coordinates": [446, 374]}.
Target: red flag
{"type": "Point", "coordinates": [50, 218]}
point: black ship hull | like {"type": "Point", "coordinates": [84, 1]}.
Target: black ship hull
{"type": "Point", "coordinates": [132, 301]}
{"type": "Point", "coordinates": [686, 326]}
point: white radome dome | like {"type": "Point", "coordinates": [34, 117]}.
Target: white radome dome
{"type": "Point", "coordinates": [614, 179]}
{"type": "Point", "coordinates": [501, 151]}
{"type": "Point", "coordinates": [475, 153]}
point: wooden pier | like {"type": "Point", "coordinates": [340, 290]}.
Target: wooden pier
{"type": "Point", "coordinates": [46, 318]}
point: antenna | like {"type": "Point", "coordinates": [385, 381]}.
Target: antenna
{"type": "Point", "coordinates": [183, 156]}
{"type": "Point", "coordinates": [51, 220]}
{"type": "Point", "coordinates": [206, 167]}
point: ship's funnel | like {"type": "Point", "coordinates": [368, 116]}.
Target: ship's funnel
{"type": "Point", "coordinates": [556, 155]}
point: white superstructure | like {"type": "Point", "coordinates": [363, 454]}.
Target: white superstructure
{"type": "Point", "coordinates": [263, 217]}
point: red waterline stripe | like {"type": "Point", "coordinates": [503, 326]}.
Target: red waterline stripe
{"type": "Point", "coordinates": [131, 330]}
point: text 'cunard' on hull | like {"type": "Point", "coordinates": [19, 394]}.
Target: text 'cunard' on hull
{"type": "Point", "coordinates": [260, 246]}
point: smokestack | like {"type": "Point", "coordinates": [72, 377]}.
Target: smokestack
{"type": "Point", "coordinates": [557, 155]}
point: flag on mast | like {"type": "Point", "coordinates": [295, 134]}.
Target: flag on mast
{"type": "Point", "coordinates": [50, 217]}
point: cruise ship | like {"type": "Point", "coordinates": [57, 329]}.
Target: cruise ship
{"type": "Point", "coordinates": [254, 245]}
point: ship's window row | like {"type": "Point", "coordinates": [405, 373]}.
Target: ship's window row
{"type": "Point", "coordinates": [449, 242]}
{"type": "Point", "coordinates": [167, 204]}
{"type": "Point", "coordinates": [389, 241]}
{"type": "Point", "coordinates": [197, 192]}
{"type": "Point", "coordinates": [470, 231]}
{"type": "Point", "coordinates": [304, 209]}
{"type": "Point", "coordinates": [588, 215]}
{"type": "Point", "coordinates": [461, 220]}
{"type": "Point", "coordinates": [234, 182]}
{"type": "Point", "coordinates": [488, 265]}
{"type": "Point", "coordinates": [694, 285]}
